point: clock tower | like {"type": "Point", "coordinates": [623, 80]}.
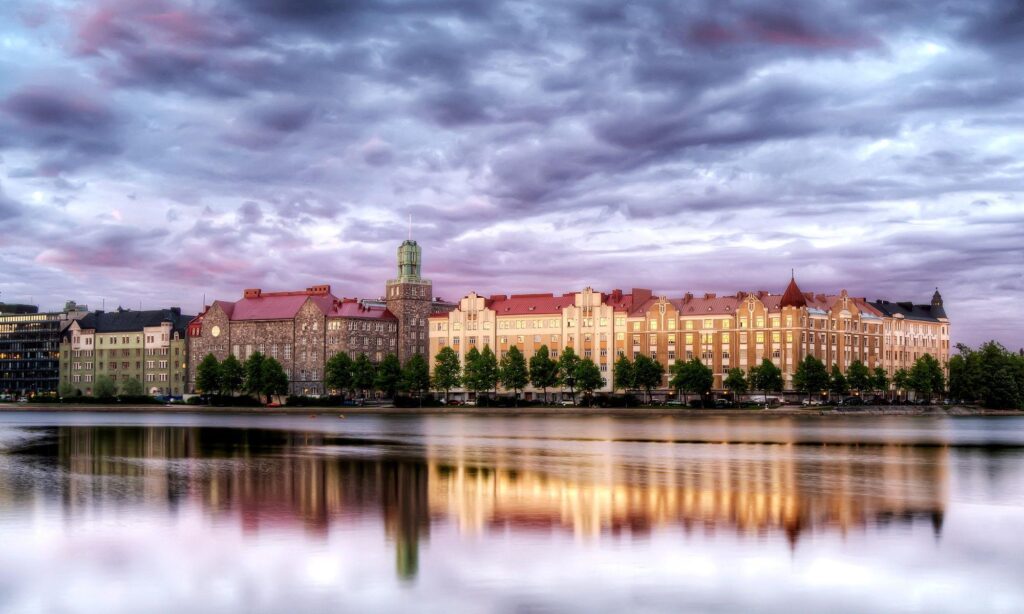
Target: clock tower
{"type": "Point", "coordinates": [409, 298]}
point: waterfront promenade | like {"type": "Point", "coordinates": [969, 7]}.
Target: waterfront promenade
{"type": "Point", "coordinates": [865, 411]}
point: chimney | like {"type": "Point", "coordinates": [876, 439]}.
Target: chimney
{"type": "Point", "coordinates": [252, 293]}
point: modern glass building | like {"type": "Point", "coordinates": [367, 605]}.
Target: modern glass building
{"type": "Point", "coordinates": [29, 348]}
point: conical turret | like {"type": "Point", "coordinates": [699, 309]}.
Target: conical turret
{"type": "Point", "coordinates": [937, 309]}
{"type": "Point", "coordinates": [793, 297]}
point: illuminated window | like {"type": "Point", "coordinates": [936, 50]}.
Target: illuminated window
{"type": "Point", "coordinates": [725, 323]}
{"type": "Point", "coordinates": [652, 324]}
{"type": "Point", "coordinates": [776, 337]}
{"type": "Point", "coordinates": [689, 325]}
{"type": "Point", "coordinates": [689, 337]}
{"type": "Point", "coordinates": [636, 326]}
{"type": "Point", "coordinates": [620, 336]}
{"type": "Point", "coordinates": [760, 337]}
{"type": "Point", "coordinates": [709, 324]}
{"type": "Point", "coordinates": [759, 322]}
{"type": "Point", "coordinates": [672, 324]}
{"type": "Point", "coordinates": [775, 322]}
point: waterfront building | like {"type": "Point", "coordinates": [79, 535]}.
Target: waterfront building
{"type": "Point", "coordinates": [148, 346]}
{"type": "Point", "coordinates": [724, 332]}
{"type": "Point", "coordinates": [29, 347]}
{"type": "Point", "coordinates": [303, 329]}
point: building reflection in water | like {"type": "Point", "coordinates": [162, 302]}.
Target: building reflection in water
{"type": "Point", "coordinates": [265, 479]}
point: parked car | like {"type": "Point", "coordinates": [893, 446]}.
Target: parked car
{"type": "Point", "coordinates": [723, 404]}
{"type": "Point", "coordinates": [22, 399]}
{"type": "Point", "coordinates": [454, 402]}
{"type": "Point", "coordinates": [567, 403]}
{"type": "Point", "coordinates": [471, 403]}
{"type": "Point", "coordinates": [810, 402]}
{"type": "Point", "coordinates": [354, 402]}
{"type": "Point", "coordinates": [674, 403]}
{"type": "Point", "coordinates": [851, 401]}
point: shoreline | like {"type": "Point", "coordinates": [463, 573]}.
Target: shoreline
{"type": "Point", "coordinates": [614, 412]}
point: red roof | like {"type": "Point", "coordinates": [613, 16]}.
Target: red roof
{"type": "Point", "coordinates": [528, 304]}
{"type": "Point", "coordinates": [351, 308]}
{"type": "Point", "coordinates": [259, 305]}
{"type": "Point", "coordinates": [793, 297]}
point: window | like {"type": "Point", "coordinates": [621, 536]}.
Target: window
{"type": "Point", "coordinates": [760, 337]}
{"type": "Point", "coordinates": [709, 324]}
{"type": "Point", "coordinates": [652, 324]}
{"type": "Point", "coordinates": [689, 337]}
{"type": "Point", "coordinates": [620, 336]}
{"type": "Point", "coordinates": [775, 322]}
{"type": "Point", "coordinates": [672, 324]}
{"type": "Point", "coordinates": [620, 321]}
{"type": "Point", "coordinates": [519, 339]}
{"type": "Point", "coordinates": [759, 322]}
{"type": "Point", "coordinates": [689, 325]}
{"type": "Point", "coordinates": [636, 325]}
{"type": "Point", "coordinates": [471, 341]}
{"type": "Point", "coordinates": [776, 337]}
{"type": "Point", "coordinates": [725, 323]}
{"type": "Point", "coordinates": [455, 341]}
{"type": "Point", "coordinates": [604, 321]}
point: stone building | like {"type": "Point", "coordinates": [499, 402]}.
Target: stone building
{"type": "Point", "coordinates": [148, 346]}
{"type": "Point", "coordinates": [722, 331]}
{"type": "Point", "coordinates": [303, 329]}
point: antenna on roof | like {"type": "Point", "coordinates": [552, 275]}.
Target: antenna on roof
{"type": "Point", "coordinates": [792, 273]}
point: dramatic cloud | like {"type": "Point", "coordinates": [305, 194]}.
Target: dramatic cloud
{"type": "Point", "coordinates": [164, 150]}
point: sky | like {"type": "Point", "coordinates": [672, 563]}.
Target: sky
{"type": "Point", "coordinates": [153, 152]}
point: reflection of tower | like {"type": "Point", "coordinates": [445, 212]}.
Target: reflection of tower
{"type": "Point", "coordinates": [406, 511]}
{"type": "Point", "coordinates": [409, 299]}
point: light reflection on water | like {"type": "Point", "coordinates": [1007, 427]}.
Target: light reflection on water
{"type": "Point", "coordinates": [107, 513]}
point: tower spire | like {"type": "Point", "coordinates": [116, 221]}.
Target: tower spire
{"type": "Point", "coordinates": [410, 227]}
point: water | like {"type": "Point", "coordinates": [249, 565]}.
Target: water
{"type": "Point", "coordinates": [190, 513]}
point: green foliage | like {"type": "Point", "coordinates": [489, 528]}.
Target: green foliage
{"type": "Point", "coordinates": [543, 370]}
{"type": "Point", "coordinates": [512, 372]}
{"type": "Point", "coordinates": [416, 376]}
{"type": "Point", "coordinates": [104, 388]}
{"type": "Point", "coordinates": [990, 374]}
{"type": "Point", "coordinates": [253, 383]}
{"type": "Point", "coordinates": [647, 373]}
{"type": "Point", "coordinates": [858, 376]}
{"type": "Point", "coordinates": [68, 391]}
{"type": "Point", "coordinates": [273, 379]}
{"type": "Point", "coordinates": [338, 372]}
{"type": "Point", "coordinates": [692, 376]}
{"type": "Point", "coordinates": [901, 380]}
{"type": "Point", "coordinates": [132, 388]}
{"type": "Point", "coordinates": [471, 377]}
{"type": "Point", "coordinates": [926, 377]}
{"type": "Point", "coordinates": [810, 376]}
{"type": "Point", "coordinates": [208, 375]}
{"type": "Point", "coordinates": [766, 377]}
{"type": "Point", "coordinates": [446, 370]}
{"type": "Point", "coordinates": [736, 382]}
{"type": "Point", "coordinates": [624, 378]}
{"type": "Point", "coordinates": [232, 375]}
{"type": "Point", "coordinates": [488, 369]}
{"type": "Point", "coordinates": [837, 382]}
{"type": "Point", "coordinates": [388, 376]}
{"type": "Point", "coordinates": [880, 380]}
{"type": "Point", "coordinates": [567, 367]}
{"type": "Point", "coordinates": [588, 376]}
{"type": "Point", "coordinates": [363, 373]}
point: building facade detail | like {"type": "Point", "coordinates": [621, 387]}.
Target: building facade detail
{"type": "Point", "coordinates": [724, 332]}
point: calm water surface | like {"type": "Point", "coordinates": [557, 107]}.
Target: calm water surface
{"type": "Point", "coordinates": [189, 513]}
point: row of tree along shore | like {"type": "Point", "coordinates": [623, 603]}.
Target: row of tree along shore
{"type": "Point", "coordinates": [990, 376]}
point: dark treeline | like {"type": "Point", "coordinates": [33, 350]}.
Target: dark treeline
{"type": "Point", "coordinates": [990, 375]}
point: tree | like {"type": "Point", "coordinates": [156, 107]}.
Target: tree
{"type": "Point", "coordinates": [837, 382]}
{"type": "Point", "coordinates": [132, 387]}
{"type": "Point", "coordinates": [208, 375]}
{"type": "Point", "coordinates": [67, 390]}
{"type": "Point", "coordinates": [926, 377]}
{"type": "Point", "coordinates": [513, 373]}
{"type": "Point", "coordinates": [471, 379]}
{"type": "Point", "coordinates": [588, 377]}
{"type": "Point", "coordinates": [900, 379]}
{"type": "Point", "coordinates": [543, 370]}
{"type": "Point", "coordinates": [362, 373]}
{"type": "Point", "coordinates": [880, 381]}
{"type": "Point", "coordinates": [859, 377]}
{"type": "Point", "coordinates": [388, 376]}
{"type": "Point", "coordinates": [338, 372]}
{"type": "Point", "coordinates": [691, 376]}
{"type": "Point", "coordinates": [810, 376]}
{"type": "Point", "coordinates": [253, 368]}
{"type": "Point", "coordinates": [232, 374]}
{"type": "Point", "coordinates": [488, 370]}
{"type": "Point", "coordinates": [416, 376]}
{"type": "Point", "coordinates": [446, 371]}
{"type": "Point", "coordinates": [766, 377]}
{"type": "Point", "coordinates": [623, 378]}
{"type": "Point", "coordinates": [736, 382]}
{"type": "Point", "coordinates": [104, 388]}
{"type": "Point", "coordinates": [567, 364]}
{"type": "Point", "coordinates": [647, 373]}
{"type": "Point", "coordinates": [273, 379]}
